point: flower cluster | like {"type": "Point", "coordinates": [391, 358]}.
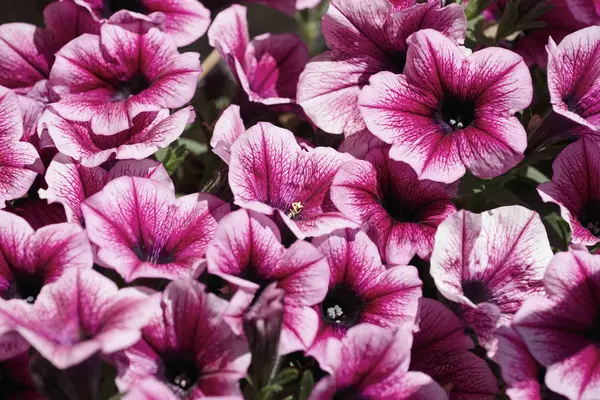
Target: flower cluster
{"type": "Point", "coordinates": [402, 201]}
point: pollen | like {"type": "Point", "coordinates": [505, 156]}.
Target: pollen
{"type": "Point", "coordinates": [295, 209]}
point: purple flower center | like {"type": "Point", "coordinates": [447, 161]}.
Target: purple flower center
{"type": "Point", "coordinates": [589, 217]}
{"type": "Point", "coordinates": [135, 85]}
{"type": "Point", "coordinates": [476, 291]}
{"type": "Point", "coordinates": [112, 6]}
{"type": "Point", "coordinates": [181, 373]}
{"type": "Point", "coordinates": [398, 209]}
{"type": "Point", "coordinates": [457, 113]}
{"type": "Point", "coordinates": [153, 254]}
{"type": "Point", "coordinates": [593, 332]}
{"type": "Point", "coordinates": [26, 287]}
{"type": "Point", "coordinates": [342, 306]}
{"type": "Point", "coordinates": [571, 103]}
{"type": "Point", "coordinates": [348, 393]}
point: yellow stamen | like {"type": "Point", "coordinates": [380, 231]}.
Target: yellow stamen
{"type": "Point", "coordinates": [295, 210]}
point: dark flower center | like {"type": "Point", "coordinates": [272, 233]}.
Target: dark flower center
{"type": "Point", "coordinates": [476, 291]}
{"type": "Point", "coordinates": [593, 332]}
{"type": "Point", "coordinates": [251, 274]}
{"type": "Point", "coordinates": [398, 209]}
{"type": "Point", "coordinates": [181, 373]}
{"type": "Point", "coordinates": [25, 287]}
{"type": "Point", "coordinates": [342, 306]}
{"type": "Point", "coordinates": [457, 113]}
{"type": "Point", "coordinates": [571, 103]}
{"type": "Point", "coordinates": [153, 254]}
{"type": "Point", "coordinates": [133, 86]}
{"type": "Point", "coordinates": [348, 393]}
{"type": "Point", "coordinates": [112, 6]}
{"type": "Point", "coordinates": [589, 217]}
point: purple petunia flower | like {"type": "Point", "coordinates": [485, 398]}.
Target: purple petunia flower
{"type": "Point", "coordinates": [450, 112]}
{"type": "Point", "coordinates": [143, 230]}
{"type": "Point", "coordinates": [31, 259]}
{"type": "Point", "coordinates": [561, 331]}
{"type": "Point", "coordinates": [150, 131]}
{"type": "Point", "coordinates": [270, 173]}
{"type": "Point", "coordinates": [587, 11]}
{"type": "Point", "coordinates": [187, 351]}
{"type": "Point", "coordinates": [521, 372]}
{"type": "Point", "coordinates": [28, 51]}
{"type": "Point", "coordinates": [247, 252]}
{"type": "Point", "coordinates": [368, 368]}
{"type": "Point", "coordinates": [184, 20]}
{"type": "Point", "coordinates": [268, 66]}
{"type": "Point", "coordinates": [573, 72]}
{"type": "Point", "coordinates": [70, 183]}
{"type": "Point", "coordinates": [80, 314]}
{"type": "Point", "coordinates": [16, 379]}
{"type": "Point", "coordinates": [111, 78]}
{"type": "Point", "coordinates": [402, 223]}
{"type": "Point", "coordinates": [575, 187]}
{"type": "Point", "coordinates": [19, 161]}
{"type": "Point", "coordinates": [488, 264]}
{"type": "Point", "coordinates": [362, 290]}
{"type": "Point", "coordinates": [365, 38]}
{"type": "Point", "coordinates": [441, 350]}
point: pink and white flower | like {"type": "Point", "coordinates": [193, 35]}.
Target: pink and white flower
{"type": "Point", "coordinates": [488, 264]}
{"type": "Point", "coordinates": [449, 112]}
{"type": "Point", "coordinates": [247, 252]}
{"type": "Point", "coordinates": [187, 350]}
{"type": "Point", "coordinates": [401, 222]}
{"type": "Point", "coordinates": [110, 78]}
{"type": "Point", "coordinates": [142, 230]}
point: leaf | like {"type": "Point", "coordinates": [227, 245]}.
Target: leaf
{"type": "Point", "coordinates": [476, 7]}
{"type": "Point", "coordinates": [508, 21]}
{"type": "Point", "coordinates": [173, 156]}
{"type": "Point", "coordinates": [501, 196]}
{"type": "Point", "coordinates": [286, 376]}
{"type": "Point", "coordinates": [306, 385]}
{"type": "Point", "coordinates": [536, 175]}
{"type": "Point", "coordinates": [559, 232]}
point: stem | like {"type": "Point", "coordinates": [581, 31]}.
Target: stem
{"type": "Point", "coordinates": [209, 63]}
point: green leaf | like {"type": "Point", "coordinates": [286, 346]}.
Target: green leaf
{"type": "Point", "coordinates": [286, 376]}
{"type": "Point", "coordinates": [476, 7]}
{"type": "Point", "coordinates": [508, 21]}
{"type": "Point", "coordinates": [558, 231]}
{"type": "Point", "coordinates": [193, 146]}
{"type": "Point", "coordinates": [173, 156]}
{"type": "Point", "coordinates": [535, 175]}
{"type": "Point", "coordinates": [306, 385]}
{"type": "Point", "coordinates": [524, 26]}
{"type": "Point", "coordinates": [501, 196]}
{"type": "Point", "coordinates": [117, 396]}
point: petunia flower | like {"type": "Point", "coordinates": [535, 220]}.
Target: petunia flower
{"type": "Point", "coordinates": [27, 52]}
{"type": "Point", "coordinates": [144, 231]}
{"type": "Point", "coordinates": [268, 66]}
{"type": "Point", "coordinates": [520, 371]}
{"type": "Point", "coordinates": [247, 252]}
{"type": "Point", "coordinates": [37, 212]}
{"type": "Point", "coordinates": [488, 264]}
{"type": "Point", "coordinates": [79, 315]}
{"type": "Point", "coordinates": [401, 222]}
{"type": "Point", "coordinates": [441, 350]}
{"type": "Point", "coordinates": [70, 183]}
{"type": "Point", "coordinates": [272, 174]}
{"type": "Point", "coordinates": [573, 70]}
{"type": "Point", "coordinates": [17, 383]}
{"type": "Point", "coordinates": [150, 132]}
{"type": "Point", "coordinates": [110, 78]}
{"type": "Point", "coordinates": [184, 20]}
{"type": "Point", "coordinates": [365, 38]}
{"type": "Point", "coordinates": [19, 161]}
{"type": "Point", "coordinates": [561, 330]}
{"type": "Point", "coordinates": [361, 290]}
{"type": "Point", "coordinates": [575, 187]}
{"type": "Point", "coordinates": [32, 259]}
{"type": "Point", "coordinates": [186, 348]}
{"type": "Point", "coordinates": [586, 11]}
{"type": "Point", "coordinates": [368, 368]}
{"type": "Point", "coordinates": [227, 129]}
{"type": "Point", "coordinates": [450, 112]}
